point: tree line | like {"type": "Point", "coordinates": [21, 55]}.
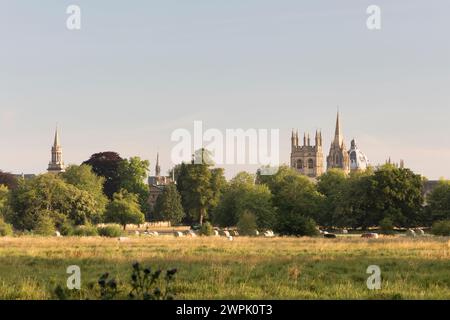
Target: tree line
{"type": "Point", "coordinates": [107, 188]}
{"type": "Point", "coordinates": [104, 188]}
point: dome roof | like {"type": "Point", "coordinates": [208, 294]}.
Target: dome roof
{"type": "Point", "coordinates": [358, 160]}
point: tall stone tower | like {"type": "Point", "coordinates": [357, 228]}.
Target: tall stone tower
{"type": "Point", "coordinates": [56, 165]}
{"type": "Point", "coordinates": [307, 159]}
{"type": "Point", "coordinates": [338, 156]}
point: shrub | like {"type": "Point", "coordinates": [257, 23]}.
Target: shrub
{"type": "Point", "coordinates": [111, 231]}
{"type": "Point", "coordinates": [85, 231]}
{"type": "Point", "coordinates": [5, 229]}
{"type": "Point", "coordinates": [247, 224]}
{"type": "Point", "coordinates": [297, 225]}
{"type": "Point", "coordinates": [45, 226]}
{"type": "Point", "coordinates": [67, 229]}
{"type": "Point", "coordinates": [206, 229]}
{"type": "Point", "coordinates": [387, 226]}
{"type": "Point", "coordinates": [441, 228]}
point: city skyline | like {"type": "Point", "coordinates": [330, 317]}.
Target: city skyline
{"type": "Point", "coordinates": [58, 148]}
{"type": "Point", "coordinates": [135, 73]}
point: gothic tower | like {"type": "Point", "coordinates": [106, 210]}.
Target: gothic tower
{"type": "Point", "coordinates": [338, 156]}
{"type": "Point", "coordinates": [56, 165]}
{"type": "Point", "coordinates": [307, 159]}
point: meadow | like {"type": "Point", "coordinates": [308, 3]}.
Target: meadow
{"type": "Point", "coordinates": [245, 268]}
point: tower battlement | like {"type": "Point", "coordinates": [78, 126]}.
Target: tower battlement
{"type": "Point", "coordinates": [307, 159]}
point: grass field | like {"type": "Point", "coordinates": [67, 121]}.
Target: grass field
{"type": "Point", "coordinates": [246, 268]}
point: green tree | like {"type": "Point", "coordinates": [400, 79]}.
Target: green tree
{"type": "Point", "coordinates": [247, 224]}
{"type": "Point", "coordinates": [49, 194]}
{"type": "Point", "coordinates": [218, 185]}
{"type": "Point", "coordinates": [132, 174]}
{"type": "Point", "coordinates": [439, 202]}
{"type": "Point", "coordinates": [441, 228]}
{"type": "Point", "coordinates": [45, 225]}
{"type": "Point", "coordinates": [241, 195]}
{"type": "Point", "coordinates": [83, 178]}
{"type": "Point", "coordinates": [199, 185]}
{"type": "Point", "coordinates": [357, 198]}
{"type": "Point", "coordinates": [5, 228]}
{"type": "Point", "coordinates": [388, 192]}
{"type": "Point", "coordinates": [124, 209]}
{"type": "Point", "coordinates": [168, 205]}
{"type": "Point", "coordinates": [293, 192]}
{"type": "Point", "coordinates": [334, 211]}
{"type": "Point", "coordinates": [296, 199]}
{"type": "Point", "coordinates": [207, 229]}
{"type": "Point", "coordinates": [4, 202]}
{"type": "Point", "coordinates": [295, 224]}
{"type": "Point", "coordinates": [194, 185]}
{"type": "Point", "coordinates": [387, 225]}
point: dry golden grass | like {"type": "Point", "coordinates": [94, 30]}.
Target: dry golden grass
{"type": "Point", "coordinates": [213, 267]}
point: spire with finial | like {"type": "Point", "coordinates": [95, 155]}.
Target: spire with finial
{"type": "Point", "coordinates": [292, 139]}
{"type": "Point", "coordinates": [157, 167]}
{"type": "Point", "coordinates": [56, 142]}
{"type": "Point", "coordinates": [56, 164]}
{"type": "Point", "coordinates": [338, 139]}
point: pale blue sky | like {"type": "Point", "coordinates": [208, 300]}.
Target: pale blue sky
{"type": "Point", "coordinates": [137, 70]}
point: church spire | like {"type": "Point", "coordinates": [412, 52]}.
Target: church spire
{"type": "Point", "coordinates": [56, 142]}
{"type": "Point", "coordinates": [56, 163]}
{"type": "Point", "coordinates": [157, 167]}
{"type": "Point", "coordinates": [338, 139]}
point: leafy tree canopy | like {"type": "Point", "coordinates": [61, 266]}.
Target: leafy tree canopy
{"type": "Point", "coordinates": [106, 164]}
{"type": "Point", "coordinates": [49, 194]}
{"type": "Point", "coordinates": [439, 201]}
{"type": "Point", "coordinates": [243, 195]}
{"type": "Point", "coordinates": [132, 174]}
{"type": "Point", "coordinates": [168, 205]}
{"type": "Point", "coordinates": [124, 209]}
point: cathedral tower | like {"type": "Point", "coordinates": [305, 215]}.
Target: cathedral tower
{"type": "Point", "coordinates": [56, 164]}
{"type": "Point", "coordinates": [338, 156]}
{"type": "Point", "coordinates": [307, 159]}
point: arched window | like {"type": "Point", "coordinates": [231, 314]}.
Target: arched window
{"type": "Point", "coordinates": [299, 164]}
{"type": "Point", "coordinates": [310, 164]}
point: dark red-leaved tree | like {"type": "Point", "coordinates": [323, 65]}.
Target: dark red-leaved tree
{"type": "Point", "coordinates": [8, 180]}
{"type": "Point", "coordinates": [106, 164]}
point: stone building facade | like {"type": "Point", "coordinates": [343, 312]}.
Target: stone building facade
{"type": "Point", "coordinates": [307, 159]}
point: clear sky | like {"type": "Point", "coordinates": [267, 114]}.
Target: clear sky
{"type": "Point", "coordinates": [137, 70]}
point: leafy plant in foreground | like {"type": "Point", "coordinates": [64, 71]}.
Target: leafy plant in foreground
{"type": "Point", "coordinates": [108, 287]}
{"type": "Point", "coordinates": [144, 284]}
